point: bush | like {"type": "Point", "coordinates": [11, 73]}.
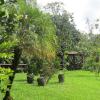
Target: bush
{"type": "Point", "coordinates": [92, 63]}
{"type": "Point", "coordinates": [5, 73]}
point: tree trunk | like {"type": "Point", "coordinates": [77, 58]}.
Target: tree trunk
{"type": "Point", "coordinates": [15, 62]}
{"type": "Point", "coordinates": [62, 61]}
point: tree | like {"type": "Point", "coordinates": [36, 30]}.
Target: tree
{"type": "Point", "coordinates": [33, 31]}
{"type": "Point", "coordinates": [40, 34]}
{"type": "Point", "coordinates": [35, 27]}
{"type": "Point", "coordinates": [68, 35]}
{"type": "Point", "coordinates": [91, 47]}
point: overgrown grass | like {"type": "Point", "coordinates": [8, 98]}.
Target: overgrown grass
{"type": "Point", "coordinates": [78, 85]}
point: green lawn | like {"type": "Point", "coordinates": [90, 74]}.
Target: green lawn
{"type": "Point", "coordinates": [78, 85]}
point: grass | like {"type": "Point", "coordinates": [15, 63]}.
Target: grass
{"type": "Point", "coordinates": [78, 85]}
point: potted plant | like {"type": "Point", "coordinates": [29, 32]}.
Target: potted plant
{"type": "Point", "coordinates": [61, 78]}
{"type": "Point", "coordinates": [41, 81]}
{"type": "Point", "coordinates": [30, 75]}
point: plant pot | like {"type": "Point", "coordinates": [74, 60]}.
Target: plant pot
{"type": "Point", "coordinates": [41, 81]}
{"type": "Point", "coordinates": [30, 78]}
{"type": "Point", "coordinates": [61, 78]}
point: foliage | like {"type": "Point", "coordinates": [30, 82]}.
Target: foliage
{"type": "Point", "coordinates": [5, 73]}
{"type": "Point", "coordinates": [6, 28]}
{"type": "Point", "coordinates": [38, 30]}
{"type": "Point", "coordinates": [4, 79]}
{"type": "Point", "coordinates": [68, 35]}
{"type": "Point", "coordinates": [92, 62]}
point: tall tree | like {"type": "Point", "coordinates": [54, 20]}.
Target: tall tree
{"type": "Point", "coordinates": [66, 32]}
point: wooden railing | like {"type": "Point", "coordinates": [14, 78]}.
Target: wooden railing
{"type": "Point", "coordinates": [21, 67]}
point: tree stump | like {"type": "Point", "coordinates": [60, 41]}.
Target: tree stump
{"type": "Point", "coordinates": [61, 78]}
{"type": "Point", "coordinates": [41, 81]}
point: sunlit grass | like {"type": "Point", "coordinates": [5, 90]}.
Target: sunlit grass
{"type": "Point", "coordinates": [78, 85]}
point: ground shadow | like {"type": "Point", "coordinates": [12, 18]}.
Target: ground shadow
{"type": "Point", "coordinates": [84, 76]}
{"type": "Point", "coordinates": [52, 83]}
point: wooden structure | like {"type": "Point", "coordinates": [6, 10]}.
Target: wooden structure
{"type": "Point", "coordinates": [21, 67]}
{"type": "Point", "coordinates": [75, 60]}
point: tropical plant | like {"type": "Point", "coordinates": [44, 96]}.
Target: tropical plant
{"type": "Point", "coordinates": [4, 80]}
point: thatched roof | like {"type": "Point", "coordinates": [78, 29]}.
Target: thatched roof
{"type": "Point", "coordinates": [72, 52]}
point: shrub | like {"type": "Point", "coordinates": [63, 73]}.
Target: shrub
{"type": "Point", "coordinates": [4, 79]}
